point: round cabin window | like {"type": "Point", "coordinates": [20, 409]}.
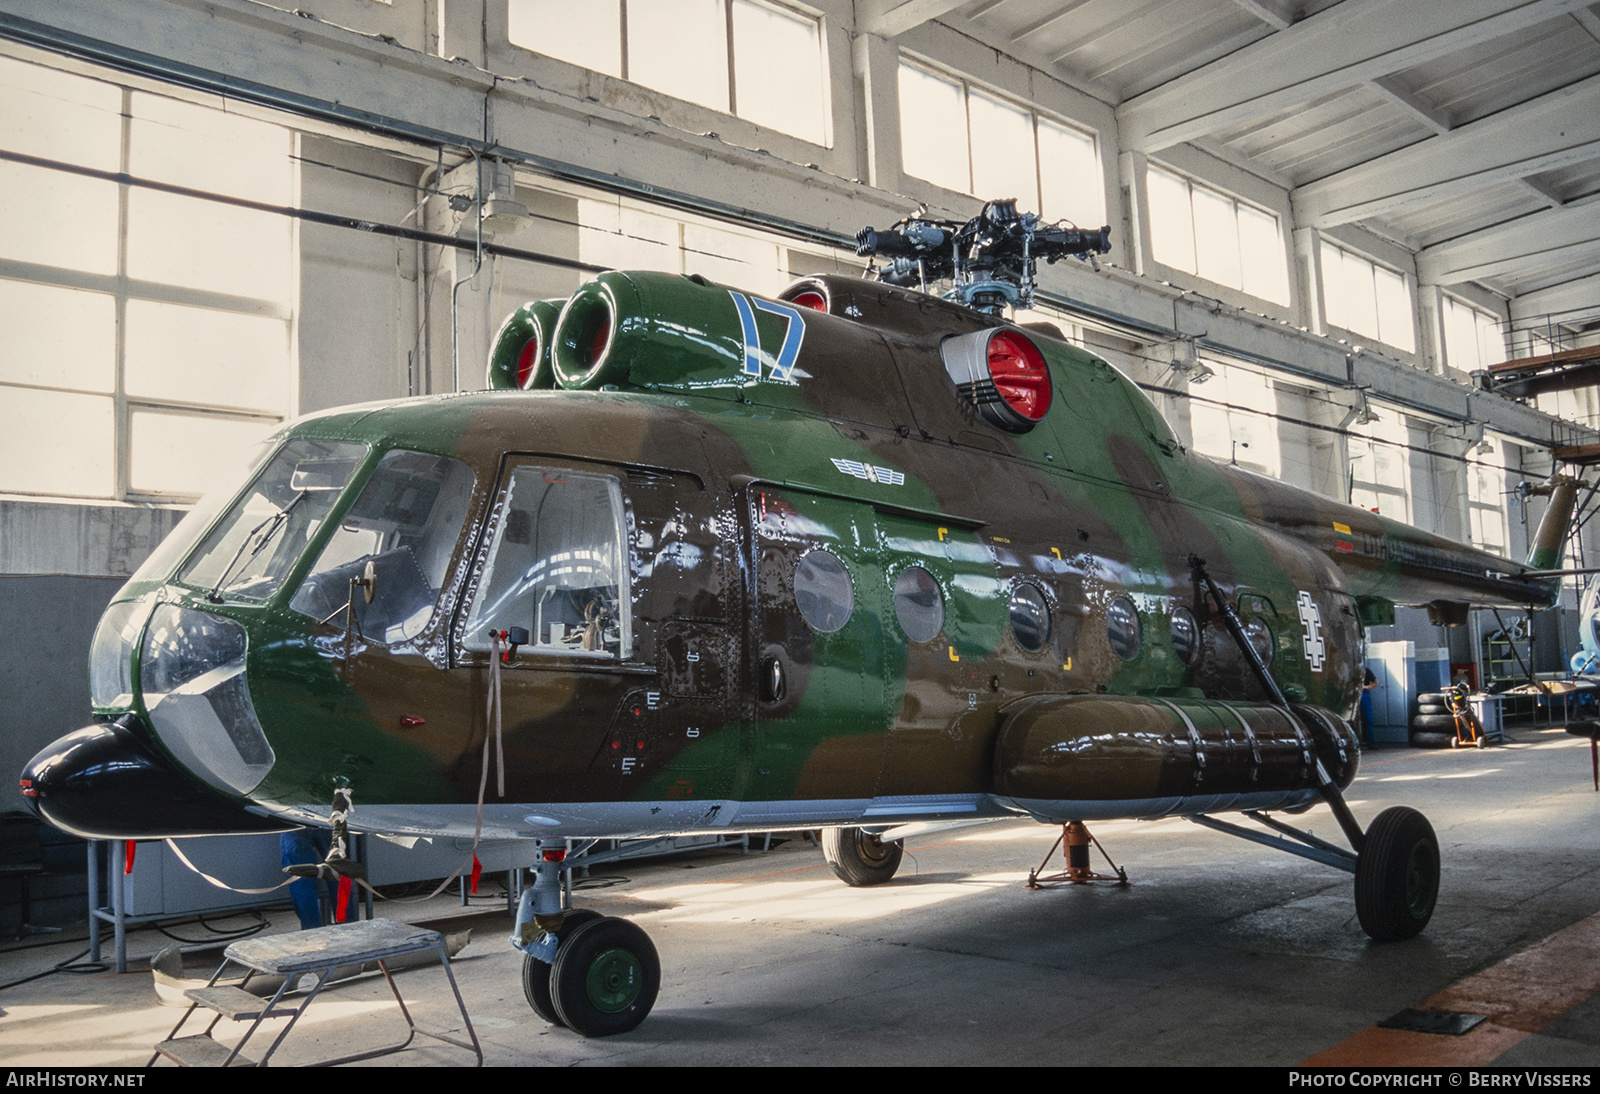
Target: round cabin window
{"type": "Point", "coordinates": [1030, 618]}
{"type": "Point", "coordinates": [1122, 628]}
{"type": "Point", "coordinates": [823, 592]}
{"type": "Point", "coordinates": [1185, 635]}
{"type": "Point", "coordinates": [918, 604]}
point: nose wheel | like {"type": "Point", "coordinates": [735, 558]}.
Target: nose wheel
{"type": "Point", "coordinates": [604, 980]}
{"type": "Point", "coordinates": [536, 973]}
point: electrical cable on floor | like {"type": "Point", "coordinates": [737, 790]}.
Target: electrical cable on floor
{"type": "Point", "coordinates": [261, 924]}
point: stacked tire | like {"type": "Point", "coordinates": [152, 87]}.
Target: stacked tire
{"type": "Point", "coordinates": [1433, 726]}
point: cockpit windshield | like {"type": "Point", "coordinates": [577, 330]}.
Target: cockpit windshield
{"type": "Point", "coordinates": [253, 547]}
{"type": "Point", "coordinates": [404, 525]}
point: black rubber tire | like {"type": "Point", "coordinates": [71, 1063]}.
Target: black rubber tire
{"type": "Point", "coordinates": [1397, 875]}
{"type": "Point", "coordinates": [858, 858]}
{"type": "Point", "coordinates": [1427, 739]}
{"type": "Point", "coordinates": [1434, 721]}
{"type": "Point", "coordinates": [536, 973]}
{"type": "Point", "coordinates": [1435, 698]}
{"type": "Point", "coordinates": [1432, 708]}
{"type": "Point", "coordinates": [605, 978]}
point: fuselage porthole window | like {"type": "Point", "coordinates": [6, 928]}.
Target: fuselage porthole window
{"type": "Point", "coordinates": [1185, 635]}
{"type": "Point", "coordinates": [918, 604]}
{"type": "Point", "coordinates": [823, 591]}
{"type": "Point", "coordinates": [1122, 628]}
{"type": "Point", "coordinates": [1030, 617]}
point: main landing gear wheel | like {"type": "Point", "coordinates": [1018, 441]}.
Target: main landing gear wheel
{"type": "Point", "coordinates": [859, 858]}
{"type": "Point", "coordinates": [536, 973]}
{"type": "Point", "coordinates": [605, 978]}
{"type": "Point", "coordinates": [1397, 875]}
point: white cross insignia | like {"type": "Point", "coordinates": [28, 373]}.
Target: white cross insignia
{"type": "Point", "coordinates": [1311, 619]}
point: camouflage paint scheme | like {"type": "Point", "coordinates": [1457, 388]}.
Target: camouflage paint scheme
{"type": "Point", "coordinates": [728, 478]}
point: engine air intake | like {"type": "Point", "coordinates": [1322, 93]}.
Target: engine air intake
{"type": "Point", "coordinates": [1002, 375]}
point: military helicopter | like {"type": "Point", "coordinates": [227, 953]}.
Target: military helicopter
{"type": "Point", "coordinates": [858, 558]}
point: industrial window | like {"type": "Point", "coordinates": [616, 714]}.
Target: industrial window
{"type": "Point", "coordinates": [1232, 419]}
{"type": "Point", "coordinates": [1472, 338]}
{"type": "Point", "coordinates": [623, 236]}
{"type": "Point", "coordinates": [967, 140]}
{"type": "Point", "coordinates": [1380, 466]}
{"type": "Point", "coordinates": [1486, 496]}
{"type": "Point", "coordinates": [1364, 298]}
{"type": "Point", "coordinates": [1202, 231]}
{"type": "Point", "coordinates": [139, 329]}
{"type": "Point", "coordinates": [762, 62]}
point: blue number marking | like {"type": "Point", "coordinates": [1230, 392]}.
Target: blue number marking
{"type": "Point", "coordinates": [752, 341]}
{"type": "Point", "coordinates": [794, 333]}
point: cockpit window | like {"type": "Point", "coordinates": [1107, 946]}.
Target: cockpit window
{"type": "Point", "coordinates": [266, 531]}
{"type": "Point", "coordinates": [557, 567]}
{"type": "Point", "coordinates": [405, 522]}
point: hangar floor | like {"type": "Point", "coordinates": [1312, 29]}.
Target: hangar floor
{"type": "Point", "coordinates": [1220, 952]}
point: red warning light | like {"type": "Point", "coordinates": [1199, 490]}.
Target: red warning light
{"type": "Point", "coordinates": [810, 299]}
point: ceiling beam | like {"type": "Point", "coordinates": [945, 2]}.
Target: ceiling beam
{"type": "Point", "coordinates": [1589, 21]}
{"type": "Point", "coordinates": [1552, 131]}
{"type": "Point", "coordinates": [1544, 191]}
{"type": "Point", "coordinates": [892, 18]}
{"type": "Point", "coordinates": [1331, 51]}
{"type": "Point", "coordinates": [1390, 89]}
{"type": "Point", "coordinates": [1274, 15]}
{"type": "Point", "coordinates": [1570, 299]}
{"type": "Point", "coordinates": [1537, 239]}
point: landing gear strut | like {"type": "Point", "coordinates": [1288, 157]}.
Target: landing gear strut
{"type": "Point", "coordinates": [596, 975]}
{"type": "Point", "coordinates": [1395, 861]}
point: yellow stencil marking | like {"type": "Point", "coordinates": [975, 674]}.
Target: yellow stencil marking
{"type": "Point", "coordinates": [942, 531]}
{"type": "Point", "coordinates": [953, 655]}
{"type": "Point", "coordinates": [1343, 529]}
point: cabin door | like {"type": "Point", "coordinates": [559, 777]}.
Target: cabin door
{"type": "Point", "coordinates": [816, 648]}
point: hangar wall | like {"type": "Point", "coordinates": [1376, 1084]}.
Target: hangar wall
{"type": "Point", "coordinates": [408, 113]}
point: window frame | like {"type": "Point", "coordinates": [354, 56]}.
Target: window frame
{"type": "Point", "coordinates": [1035, 117]}
{"type": "Point", "coordinates": [124, 290]}
{"type": "Point", "coordinates": [1482, 319]}
{"type": "Point", "coordinates": [1406, 285]}
{"type": "Point", "coordinates": [798, 12]}
{"type": "Point", "coordinates": [1192, 184]}
{"type": "Point", "coordinates": [1382, 438]}
{"type": "Point", "coordinates": [1477, 463]}
{"type": "Point", "coordinates": [486, 546]}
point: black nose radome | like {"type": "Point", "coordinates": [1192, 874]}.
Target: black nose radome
{"type": "Point", "coordinates": [105, 782]}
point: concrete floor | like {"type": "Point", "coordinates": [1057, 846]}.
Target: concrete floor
{"type": "Point", "coordinates": [1220, 952]}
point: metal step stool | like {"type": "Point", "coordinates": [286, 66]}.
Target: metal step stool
{"type": "Point", "coordinates": [318, 953]}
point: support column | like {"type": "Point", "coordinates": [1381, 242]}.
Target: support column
{"type": "Point", "coordinates": [877, 69]}
{"type": "Point", "coordinates": [463, 25]}
{"type": "Point", "coordinates": [1308, 272]}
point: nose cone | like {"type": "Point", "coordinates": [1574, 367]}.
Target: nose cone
{"type": "Point", "coordinates": [105, 782]}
